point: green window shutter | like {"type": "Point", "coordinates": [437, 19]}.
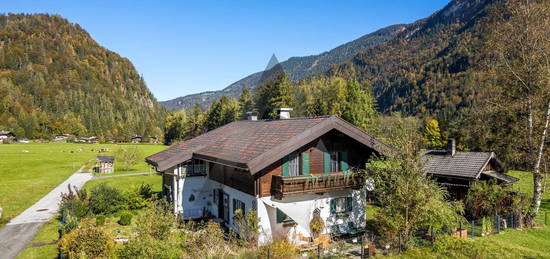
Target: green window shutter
{"type": "Point", "coordinates": [349, 203]}
{"type": "Point", "coordinates": [280, 216]}
{"type": "Point", "coordinates": [332, 206]}
{"type": "Point", "coordinates": [326, 162]}
{"type": "Point", "coordinates": [343, 161]}
{"type": "Point", "coordinates": [285, 166]}
{"type": "Point", "coordinates": [305, 163]}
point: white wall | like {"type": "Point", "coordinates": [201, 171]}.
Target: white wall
{"type": "Point", "coordinates": [300, 209]}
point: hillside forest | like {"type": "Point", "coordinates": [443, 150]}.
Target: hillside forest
{"type": "Point", "coordinates": [55, 79]}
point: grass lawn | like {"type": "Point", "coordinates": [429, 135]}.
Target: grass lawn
{"type": "Point", "coordinates": [49, 232]}
{"type": "Point", "coordinates": [27, 176]}
{"type": "Point", "coordinates": [126, 182]}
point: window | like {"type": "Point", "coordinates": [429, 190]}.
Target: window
{"type": "Point", "coordinates": [334, 162]}
{"type": "Point", "coordinates": [199, 167]}
{"type": "Point", "coordinates": [340, 205]}
{"type": "Point", "coordinates": [238, 205]}
{"type": "Point", "coordinates": [294, 164]}
{"type": "Point", "coordinates": [283, 218]}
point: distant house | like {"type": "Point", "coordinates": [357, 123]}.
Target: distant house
{"type": "Point", "coordinates": [136, 139]}
{"type": "Point", "coordinates": [106, 164]}
{"type": "Point", "coordinates": [92, 139]}
{"type": "Point", "coordinates": [154, 139]}
{"type": "Point", "coordinates": [6, 136]}
{"type": "Point", "coordinates": [287, 169]}
{"type": "Point", "coordinates": [62, 138]}
{"type": "Point", "coordinates": [459, 170]}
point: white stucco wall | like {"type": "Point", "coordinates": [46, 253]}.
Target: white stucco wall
{"type": "Point", "coordinates": [300, 208]}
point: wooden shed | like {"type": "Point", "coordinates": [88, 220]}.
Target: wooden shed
{"type": "Point", "coordinates": [106, 164]}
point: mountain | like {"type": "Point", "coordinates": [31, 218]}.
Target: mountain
{"type": "Point", "coordinates": [54, 78]}
{"type": "Point", "coordinates": [433, 66]}
{"type": "Point", "coordinates": [296, 68]}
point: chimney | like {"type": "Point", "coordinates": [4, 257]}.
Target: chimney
{"type": "Point", "coordinates": [283, 113]}
{"type": "Point", "coordinates": [451, 147]}
{"type": "Point", "coordinates": [252, 116]}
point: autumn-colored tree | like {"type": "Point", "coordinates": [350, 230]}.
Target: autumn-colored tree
{"type": "Point", "coordinates": [432, 135]}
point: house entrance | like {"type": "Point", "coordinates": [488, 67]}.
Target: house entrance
{"type": "Point", "coordinates": [223, 206]}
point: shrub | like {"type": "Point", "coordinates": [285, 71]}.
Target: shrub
{"type": "Point", "coordinates": [156, 221]}
{"type": "Point", "coordinates": [248, 227]}
{"type": "Point", "coordinates": [280, 249]}
{"type": "Point", "coordinates": [87, 243]}
{"type": "Point", "coordinates": [207, 241]}
{"type": "Point", "coordinates": [125, 218]}
{"type": "Point", "coordinates": [138, 197]}
{"type": "Point", "coordinates": [149, 247]}
{"type": "Point", "coordinates": [316, 224]}
{"type": "Point", "coordinates": [75, 203]}
{"type": "Point", "coordinates": [100, 220]}
{"type": "Point", "coordinates": [68, 223]}
{"type": "Point", "coordinates": [105, 199]}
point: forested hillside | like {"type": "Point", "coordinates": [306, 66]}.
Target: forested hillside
{"type": "Point", "coordinates": [432, 66]}
{"type": "Point", "coordinates": [296, 68]}
{"type": "Point", "coordinates": [54, 78]}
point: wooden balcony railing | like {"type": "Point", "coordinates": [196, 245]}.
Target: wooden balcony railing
{"type": "Point", "coordinates": [282, 186]}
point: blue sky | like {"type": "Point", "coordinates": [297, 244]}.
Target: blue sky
{"type": "Point", "coordinates": [184, 47]}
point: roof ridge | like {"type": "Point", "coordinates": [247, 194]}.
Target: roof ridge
{"type": "Point", "coordinates": [292, 118]}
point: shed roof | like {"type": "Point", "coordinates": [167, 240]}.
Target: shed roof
{"type": "Point", "coordinates": [254, 145]}
{"type": "Point", "coordinates": [108, 159]}
{"type": "Point", "coordinates": [462, 164]}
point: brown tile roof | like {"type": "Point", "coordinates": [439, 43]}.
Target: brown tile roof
{"type": "Point", "coordinates": [462, 164]}
{"type": "Point", "coordinates": [254, 145]}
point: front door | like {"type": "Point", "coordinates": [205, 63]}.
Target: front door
{"type": "Point", "coordinates": [226, 208]}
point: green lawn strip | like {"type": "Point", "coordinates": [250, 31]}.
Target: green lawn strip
{"type": "Point", "coordinates": [125, 183]}
{"type": "Point", "coordinates": [28, 176]}
{"type": "Point", "coordinates": [40, 246]}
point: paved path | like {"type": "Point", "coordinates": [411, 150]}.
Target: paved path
{"type": "Point", "coordinates": [20, 231]}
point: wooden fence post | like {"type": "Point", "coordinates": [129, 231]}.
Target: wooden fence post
{"type": "Point", "coordinates": [473, 227]}
{"type": "Point", "coordinates": [318, 251]}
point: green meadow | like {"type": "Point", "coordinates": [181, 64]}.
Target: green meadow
{"type": "Point", "coordinates": [29, 171]}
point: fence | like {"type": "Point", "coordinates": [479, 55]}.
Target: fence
{"type": "Point", "coordinates": [494, 225]}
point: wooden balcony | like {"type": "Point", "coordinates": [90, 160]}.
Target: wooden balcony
{"type": "Point", "coordinates": [282, 186]}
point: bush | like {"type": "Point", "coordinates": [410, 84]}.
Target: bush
{"type": "Point", "coordinates": [100, 220]}
{"type": "Point", "coordinates": [156, 221]}
{"type": "Point", "coordinates": [149, 247]}
{"type": "Point", "coordinates": [138, 197]}
{"type": "Point", "coordinates": [75, 203]}
{"type": "Point", "coordinates": [316, 225]}
{"type": "Point", "coordinates": [68, 223]}
{"type": "Point", "coordinates": [125, 218]}
{"type": "Point", "coordinates": [207, 241]}
{"type": "Point", "coordinates": [280, 249]}
{"type": "Point", "coordinates": [105, 199]}
{"type": "Point", "coordinates": [248, 227]}
{"type": "Point", "coordinates": [87, 243]}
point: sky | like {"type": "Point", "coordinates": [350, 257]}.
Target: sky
{"type": "Point", "coordinates": [185, 47]}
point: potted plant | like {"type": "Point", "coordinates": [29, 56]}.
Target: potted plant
{"type": "Point", "coordinates": [316, 225]}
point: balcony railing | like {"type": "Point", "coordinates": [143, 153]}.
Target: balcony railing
{"type": "Point", "coordinates": [282, 186]}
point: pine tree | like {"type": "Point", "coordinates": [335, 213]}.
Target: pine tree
{"type": "Point", "coordinates": [246, 103]}
{"type": "Point", "coordinates": [274, 94]}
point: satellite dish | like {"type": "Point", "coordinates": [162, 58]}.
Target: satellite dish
{"type": "Point", "coordinates": [369, 184]}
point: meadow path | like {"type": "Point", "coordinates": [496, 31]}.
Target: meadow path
{"type": "Point", "coordinates": [20, 231]}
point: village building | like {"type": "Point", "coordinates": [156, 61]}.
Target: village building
{"type": "Point", "coordinates": [136, 139]}
{"type": "Point", "coordinates": [105, 164]}
{"type": "Point", "coordinates": [285, 169]}
{"type": "Point", "coordinates": [6, 136]}
{"type": "Point", "coordinates": [458, 170]}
